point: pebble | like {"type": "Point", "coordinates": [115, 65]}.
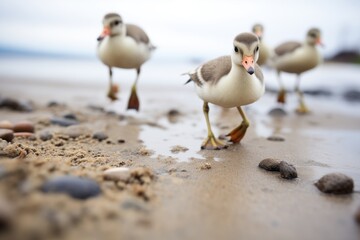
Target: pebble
{"type": "Point", "coordinates": [117, 174]}
{"type": "Point", "coordinates": [100, 136]}
{"type": "Point", "coordinates": [76, 187]}
{"type": "Point", "coordinates": [277, 112]}
{"type": "Point", "coordinates": [6, 125]}
{"type": "Point", "coordinates": [352, 96]}
{"type": "Point", "coordinates": [76, 131]}
{"type": "Point", "coordinates": [28, 135]}
{"type": "Point", "coordinates": [70, 116]}
{"type": "Point", "coordinates": [7, 134]}
{"type": "Point", "coordinates": [16, 105]}
{"type": "Point", "coordinates": [276, 139]}
{"type": "Point", "coordinates": [24, 127]}
{"type": "Point", "coordinates": [357, 216]}
{"type": "Point", "coordinates": [270, 164]}
{"type": "Point", "coordinates": [64, 122]}
{"type": "Point", "coordinates": [45, 136]}
{"type": "Point", "coordinates": [287, 170]}
{"type": "Point", "coordinates": [121, 141]}
{"type": "Point", "coordinates": [336, 183]}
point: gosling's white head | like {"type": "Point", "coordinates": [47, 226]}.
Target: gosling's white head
{"type": "Point", "coordinates": [246, 51]}
{"type": "Point", "coordinates": [113, 26]}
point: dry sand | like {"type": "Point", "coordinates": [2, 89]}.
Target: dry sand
{"type": "Point", "coordinates": [191, 194]}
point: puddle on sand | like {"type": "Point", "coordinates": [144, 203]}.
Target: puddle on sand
{"type": "Point", "coordinates": [186, 134]}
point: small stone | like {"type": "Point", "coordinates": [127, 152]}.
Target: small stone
{"type": "Point", "coordinates": [6, 125]}
{"type": "Point", "coordinates": [121, 141]}
{"type": "Point", "coordinates": [6, 134]}
{"type": "Point", "coordinates": [16, 105]}
{"type": "Point", "coordinates": [117, 174]}
{"type": "Point", "coordinates": [24, 127]}
{"type": "Point", "coordinates": [64, 122]}
{"type": "Point", "coordinates": [173, 112]}
{"type": "Point", "coordinates": [287, 170]}
{"type": "Point", "coordinates": [177, 149]}
{"type": "Point", "coordinates": [352, 96]}
{"type": "Point", "coordinates": [205, 166]}
{"type": "Point", "coordinates": [100, 136]}
{"type": "Point", "coordinates": [45, 136]}
{"type": "Point", "coordinates": [27, 135]}
{"type": "Point", "coordinates": [276, 138]}
{"type": "Point", "coordinates": [76, 131]}
{"type": "Point", "coordinates": [70, 116]}
{"type": "Point", "coordinates": [277, 112]}
{"type": "Point", "coordinates": [336, 183]}
{"type": "Point", "coordinates": [270, 164]}
{"type": "Point", "coordinates": [76, 187]}
{"type": "Point", "coordinates": [357, 216]}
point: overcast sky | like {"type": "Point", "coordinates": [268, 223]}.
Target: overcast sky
{"type": "Point", "coordinates": [179, 28]}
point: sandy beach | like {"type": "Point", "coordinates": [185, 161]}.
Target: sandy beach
{"type": "Point", "coordinates": [174, 190]}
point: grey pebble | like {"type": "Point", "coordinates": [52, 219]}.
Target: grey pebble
{"type": "Point", "coordinates": [76, 187]}
{"type": "Point", "coordinates": [100, 136]}
{"type": "Point", "coordinates": [277, 112]}
{"type": "Point", "coordinates": [352, 96]}
{"type": "Point", "coordinates": [70, 116]}
{"type": "Point", "coordinates": [270, 164]}
{"type": "Point", "coordinates": [45, 136]}
{"type": "Point", "coordinates": [276, 138]}
{"type": "Point", "coordinates": [287, 170]}
{"type": "Point", "coordinates": [64, 122]}
{"type": "Point", "coordinates": [336, 183]}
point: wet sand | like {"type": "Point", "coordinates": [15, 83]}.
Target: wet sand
{"type": "Point", "coordinates": [193, 194]}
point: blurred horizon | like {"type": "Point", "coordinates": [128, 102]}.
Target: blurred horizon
{"type": "Point", "coordinates": [182, 30]}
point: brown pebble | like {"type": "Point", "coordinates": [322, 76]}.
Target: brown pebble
{"type": "Point", "coordinates": [336, 183]}
{"type": "Point", "coordinates": [24, 127]}
{"type": "Point", "coordinates": [287, 170]}
{"type": "Point", "coordinates": [7, 134]}
{"type": "Point", "coordinates": [6, 125]}
{"type": "Point", "coordinates": [270, 164]}
{"type": "Point", "coordinates": [205, 166]}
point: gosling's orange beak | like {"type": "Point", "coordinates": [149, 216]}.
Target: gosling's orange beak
{"type": "Point", "coordinates": [248, 63]}
{"type": "Point", "coordinates": [105, 32]}
{"type": "Point", "coordinates": [319, 42]}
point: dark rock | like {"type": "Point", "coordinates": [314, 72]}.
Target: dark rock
{"type": "Point", "coordinates": [270, 164]}
{"type": "Point", "coordinates": [318, 92]}
{"type": "Point", "coordinates": [70, 116]}
{"type": "Point", "coordinates": [287, 170]}
{"type": "Point", "coordinates": [64, 122]}
{"type": "Point", "coordinates": [45, 136]}
{"type": "Point", "coordinates": [352, 96]}
{"type": "Point", "coordinates": [7, 134]}
{"type": "Point", "coordinates": [276, 138]}
{"type": "Point", "coordinates": [100, 136]}
{"type": "Point", "coordinates": [15, 105]}
{"type": "Point", "coordinates": [24, 127]}
{"type": "Point", "coordinates": [336, 183]}
{"type": "Point", "coordinates": [357, 216]}
{"type": "Point", "coordinates": [173, 113]}
{"type": "Point", "coordinates": [121, 141]}
{"type": "Point", "coordinates": [76, 187]}
{"type": "Point", "coordinates": [277, 112]}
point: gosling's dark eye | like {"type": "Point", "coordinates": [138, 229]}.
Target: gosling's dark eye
{"type": "Point", "coordinates": [116, 23]}
{"type": "Point", "coordinates": [257, 49]}
{"type": "Point", "coordinates": [236, 49]}
{"type": "Point", "coordinates": [313, 35]}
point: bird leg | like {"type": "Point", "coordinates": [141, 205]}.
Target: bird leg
{"type": "Point", "coordinates": [211, 143]}
{"type": "Point", "coordinates": [239, 132]}
{"type": "Point", "coordinates": [134, 100]}
{"type": "Point", "coordinates": [281, 98]}
{"type": "Point", "coordinates": [113, 88]}
{"type": "Point", "coordinates": [301, 109]}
